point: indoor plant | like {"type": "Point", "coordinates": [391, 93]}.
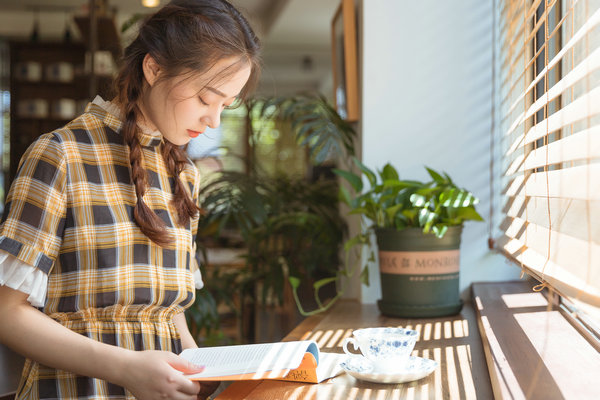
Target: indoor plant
{"type": "Point", "coordinates": [290, 225]}
{"type": "Point", "coordinates": [417, 226]}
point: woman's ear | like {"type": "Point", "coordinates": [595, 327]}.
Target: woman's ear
{"type": "Point", "coordinates": [151, 69]}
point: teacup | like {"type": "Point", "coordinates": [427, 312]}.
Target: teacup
{"type": "Point", "coordinates": [387, 348]}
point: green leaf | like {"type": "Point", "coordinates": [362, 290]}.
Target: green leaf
{"type": "Point", "coordinates": [395, 184]}
{"type": "Point", "coordinates": [426, 219]}
{"type": "Point", "coordinates": [322, 282]}
{"type": "Point", "coordinates": [392, 211]}
{"type": "Point", "coordinates": [440, 230]}
{"type": "Point", "coordinates": [468, 213]}
{"type": "Point", "coordinates": [358, 239]}
{"type": "Point", "coordinates": [389, 173]}
{"type": "Point", "coordinates": [455, 197]}
{"type": "Point", "coordinates": [436, 176]}
{"type": "Point", "coordinates": [365, 170]}
{"type": "Point", "coordinates": [371, 257]}
{"type": "Point", "coordinates": [353, 179]}
{"type": "Point", "coordinates": [323, 153]}
{"type": "Point", "coordinates": [306, 130]}
{"type": "Point", "coordinates": [295, 282]}
{"type": "Point", "coordinates": [448, 179]}
{"type": "Point", "coordinates": [344, 195]}
{"type": "Point", "coordinates": [418, 200]}
{"type": "Point", "coordinates": [364, 276]}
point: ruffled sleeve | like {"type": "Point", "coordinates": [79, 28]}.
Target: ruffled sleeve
{"type": "Point", "coordinates": [25, 278]}
{"type": "Point", "coordinates": [195, 267]}
{"type": "Point", "coordinates": [198, 282]}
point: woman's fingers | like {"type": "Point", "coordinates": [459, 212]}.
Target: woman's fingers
{"type": "Point", "coordinates": [186, 385]}
{"type": "Point", "coordinates": [183, 365]}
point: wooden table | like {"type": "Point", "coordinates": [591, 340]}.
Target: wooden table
{"type": "Point", "coordinates": [452, 341]}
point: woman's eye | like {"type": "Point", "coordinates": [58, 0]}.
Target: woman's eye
{"type": "Point", "coordinates": [202, 101]}
{"type": "Point", "coordinates": [234, 104]}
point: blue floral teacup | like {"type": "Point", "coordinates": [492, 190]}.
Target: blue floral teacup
{"type": "Point", "coordinates": [386, 348]}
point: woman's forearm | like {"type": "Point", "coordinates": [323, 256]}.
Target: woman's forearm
{"type": "Point", "coordinates": [35, 335]}
{"type": "Point", "coordinates": [187, 341]}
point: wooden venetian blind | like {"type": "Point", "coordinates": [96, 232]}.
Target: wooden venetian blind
{"type": "Point", "coordinates": [550, 140]}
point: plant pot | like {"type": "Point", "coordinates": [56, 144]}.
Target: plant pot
{"type": "Point", "coordinates": [419, 272]}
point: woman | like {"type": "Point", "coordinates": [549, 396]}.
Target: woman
{"type": "Point", "coordinates": [99, 225]}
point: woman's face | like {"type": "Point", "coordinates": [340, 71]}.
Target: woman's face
{"type": "Point", "coordinates": [181, 108]}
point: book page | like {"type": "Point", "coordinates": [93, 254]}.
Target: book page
{"type": "Point", "coordinates": [329, 365]}
{"type": "Point", "coordinates": [258, 359]}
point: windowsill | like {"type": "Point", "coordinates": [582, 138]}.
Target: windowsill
{"type": "Point", "coordinates": [532, 351]}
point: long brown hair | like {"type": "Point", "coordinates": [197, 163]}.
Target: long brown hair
{"type": "Point", "coordinates": [183, 36]}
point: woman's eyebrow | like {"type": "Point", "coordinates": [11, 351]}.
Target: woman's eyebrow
{"type": "Point", "coordinates": [218, 92]}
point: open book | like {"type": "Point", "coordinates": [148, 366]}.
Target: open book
{"type": "Point", "coordinates": [293, 361]}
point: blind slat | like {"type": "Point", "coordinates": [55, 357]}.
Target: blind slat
{"type": "Point", "coordinates": [578, 146]}
{"type": "Point", "coordinates": [578, 182]}
{"type": "Point", "coordinates": [568, 255]}
{"type": "Point", "coordinates": [562, 279]}
{"type": "Point", "coordinates": [583, 107]}
{"type": "Point", "coordinates": [565, 215]}
{"type": "Point", "coordinates": [583, 69]}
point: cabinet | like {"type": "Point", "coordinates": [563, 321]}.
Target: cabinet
{"type": "Point", "coordinates": [48, 87]}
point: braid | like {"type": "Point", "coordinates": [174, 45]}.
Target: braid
{"type": "Point", "coordinates": [131, 87]}
{"type": "Point", "coordinates": [176, 160]}
{"type": "Point", "coordinates": [146, 219]}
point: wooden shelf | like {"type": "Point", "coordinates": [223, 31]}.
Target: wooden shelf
{"type": "Point", "coordinates": [24, 130]}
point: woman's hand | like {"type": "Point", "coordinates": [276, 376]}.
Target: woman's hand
{"type": "Point", "coordinates": [154, 374]}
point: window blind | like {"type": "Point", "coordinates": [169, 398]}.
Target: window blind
{"type": "Point", "coordinates": [549, 136]}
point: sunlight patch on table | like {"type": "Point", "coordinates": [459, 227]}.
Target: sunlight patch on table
{"type": "Point", "coordinates": [519, 300]}
{"type": "Point", "coordinates": [427, 331]}
{"type": "Point", "coordinates": [321, 342]}
{"type": "Point", "coordinates": [335, 339]}
{"type": "Point", "coordinates": [458, 328]}
{"type": "Point", "coordinates": [447, 330]}
{"type": "Point", "coordinates": [437, 331]}
{"type": "Point", "coordinates": [464, 362]}
{"type": "Point", "coordinates": [437, 356]}
{"type": "Point", "coordinates": [451, 376]}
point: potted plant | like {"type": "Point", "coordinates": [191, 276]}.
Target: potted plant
{"type": "Point", "coordinates": [418, 227]}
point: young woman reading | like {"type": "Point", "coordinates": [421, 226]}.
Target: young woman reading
{"type": "Point", "coordinates": [97, 254]}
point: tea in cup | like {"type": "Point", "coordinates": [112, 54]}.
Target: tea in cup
{"type": "Point", "coordinates": [387, 348]}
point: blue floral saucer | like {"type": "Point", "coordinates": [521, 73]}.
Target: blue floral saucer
{"type": "Point", "coordinates": [363, 369]}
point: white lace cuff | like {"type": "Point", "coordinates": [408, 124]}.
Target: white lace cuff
{"type": "Point", "coordinates": [23, 277]}
{"type": "Point", "coordinates": [199, 283]}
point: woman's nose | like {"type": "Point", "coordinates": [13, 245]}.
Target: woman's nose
{"type": "Point", "coordinates": [212, 118]}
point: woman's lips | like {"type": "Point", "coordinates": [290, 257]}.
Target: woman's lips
{"type": "Point", "coordinates": [193, 133]}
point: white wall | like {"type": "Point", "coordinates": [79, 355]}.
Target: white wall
{"type": "Point", "coordinates": [426, 100]}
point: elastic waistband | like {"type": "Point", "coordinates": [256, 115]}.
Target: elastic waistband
{"type": "Point", "coordinates": [118, 313]}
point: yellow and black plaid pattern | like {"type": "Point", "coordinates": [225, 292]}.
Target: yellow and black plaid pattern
{"type": "Point", "coordinates": [70, 213]}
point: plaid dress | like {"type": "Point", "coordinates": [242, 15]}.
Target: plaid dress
{"type": "Point", "coordinates": [69, 213]}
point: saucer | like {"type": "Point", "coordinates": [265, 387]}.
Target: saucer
{"type": "Point", "coordinates": [363, 369]}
